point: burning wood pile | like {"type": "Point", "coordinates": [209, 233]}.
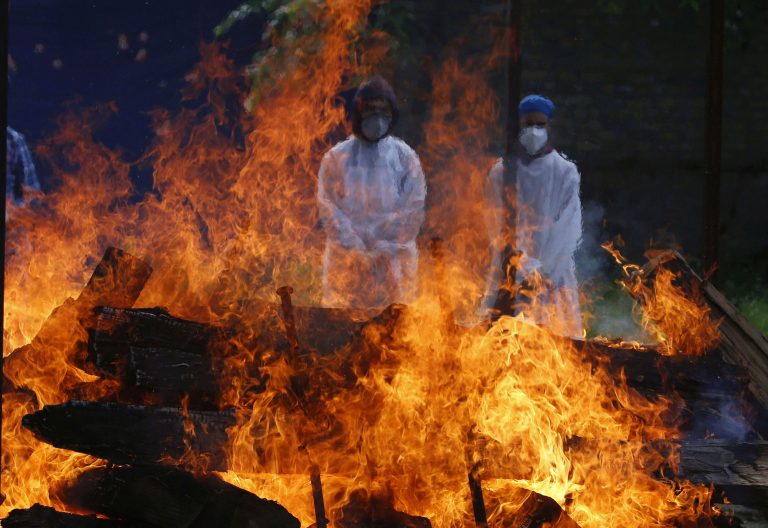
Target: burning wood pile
{"type": "Point", "coordinates": [178, 423]}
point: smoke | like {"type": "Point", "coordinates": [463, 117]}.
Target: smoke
{"type": "Point", "coordinates": [609, 308]}
{"type": "Point", "coordinates": [717, 413]}
{"type": "Point", "coordinates": [592, 261]}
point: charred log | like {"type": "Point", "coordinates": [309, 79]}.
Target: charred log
{"type": "Point", "coordinates": [539, 511]}
{"type": "Point", "coordinates": [172, 498]}
{"type": "Point", "coordinates": [168, 374]}
{"type": "Point", "coordinates": [157, 359]}
{"type": "Point", "coordinates": [117, 281]}
{"type": "Point", "coordinates": [133, 434]}
{"type": "Point", "coordinates": [366, 510]}
{"type": "Point", "coordinates": [117, 330]}
{"type": "Point", "coordinates": [44, 517]}
{"type": "Point", "coordinates": [319, 330]}
{"type": "Point", "coordinates": [648, 370]}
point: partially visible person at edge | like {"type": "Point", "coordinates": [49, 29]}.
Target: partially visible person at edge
{"type": "Point", "coordinates": [537, 276]}
{"type": "Point", "coordinates": [20, 175]}
{"type": "Point", "coordinates": [370, 194]}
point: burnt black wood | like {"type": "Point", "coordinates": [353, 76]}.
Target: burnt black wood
{"type": "Point", "coordinates": [726, 463]}
{"type": "Point", "coordinates": [171, 498]}
{"type": "Point", "coordinates": [117, 330]}
{"type": "Point", "coordinates": [538, 511]}
{"type": "Point", "coordinates": [647, 369]}
{"type": "Point", "coordinates": [44, 517]}
{"type": "Point", "coordinates": [715, 394]}
{"type": "Point", "coordinates": [737, 466]}
{"type": "Point", "coordinates": [131, 434]}
{"type": "Point", "coordinates": [321, 330]}
{"type": "Point", "coordinates": [376, 511]}
{"type": "Point", "coordinates": [169, 374]}
{"type": "Point", "coordinates": [478, 501]}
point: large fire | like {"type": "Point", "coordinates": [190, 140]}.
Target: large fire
{"type": "Point", "coordinates": [232, 216]}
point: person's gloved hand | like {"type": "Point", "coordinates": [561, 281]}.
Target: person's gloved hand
{"type": "Point", "coordinates": [381, 247]}
{"type": "Point", "coordinates": [528, 265]}
{"type": "Point", "coordinates": [351, 241]}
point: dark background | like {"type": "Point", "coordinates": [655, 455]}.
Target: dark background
{"type": "Point", "coordinates": [83, 35]}
{"type": "Point", "coordinates": [629, 80]}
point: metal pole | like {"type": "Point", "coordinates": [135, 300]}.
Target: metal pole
{"type": "Point", "coordinates": [289, 319]}
{"type": "Point", "coordinates": [714, 136]}
{"type": "Point", "coordinates": [513, 74]}
{"type": "Point", "coordinates": [505, 299]}
{"type": "Point", "coordinates": [473, 479]}
{"type": "Point", "coordinates": [317, 497]}
{"type": "Point", "coordinates": [478, 503]}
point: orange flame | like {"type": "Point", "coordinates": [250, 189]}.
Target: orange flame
{"type": "Point", "coordinates": [405, 407]}
{"type": "Point", "coordinates": [678, 317]}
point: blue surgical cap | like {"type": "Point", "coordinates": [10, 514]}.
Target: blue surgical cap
{"type": "Point", "coordinates": [536, 103]}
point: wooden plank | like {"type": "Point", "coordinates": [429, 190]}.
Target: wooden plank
{"type": "Point", "coordinates": [117, 330]}
{"type": "Point", "coordinates": [167, 375]}
{"type": "Point", "coordinates": [717, 462]}
{"type": "Point", "coordinates": [725, 463]}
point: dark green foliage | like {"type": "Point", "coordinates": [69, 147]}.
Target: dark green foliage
{"type": "Point", "coordinates": [291, 25]}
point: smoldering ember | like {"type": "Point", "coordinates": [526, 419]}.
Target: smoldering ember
{"type": "Point", "coordinates": [334, 266]}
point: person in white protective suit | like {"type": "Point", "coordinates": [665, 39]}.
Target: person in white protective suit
{"type": "Point", "coordinates": [539, 274]}
{"type": "Point", "coordinates": [370, 195]}
{"type": "Point", "coordinates": [20, 175]}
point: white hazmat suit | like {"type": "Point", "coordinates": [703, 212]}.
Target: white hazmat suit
{"type": "Point", "coordinates": [548, 232]}
{"type": "Point", "coordinates": [371, 202]}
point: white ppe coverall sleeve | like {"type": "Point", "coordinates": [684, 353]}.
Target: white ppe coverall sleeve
{"type": "Point", "coordinates": [329, 196]}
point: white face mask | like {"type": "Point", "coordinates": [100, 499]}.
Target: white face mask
{"type": "Point", "coordinates": [533, 139]}
{"type": "Point", "coordinates": [375, 127]}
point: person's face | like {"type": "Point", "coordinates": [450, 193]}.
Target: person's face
{"type": "Point", "coordinates": [537, 119]}
{"type": "Point", "coordinates": [377, 106]}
